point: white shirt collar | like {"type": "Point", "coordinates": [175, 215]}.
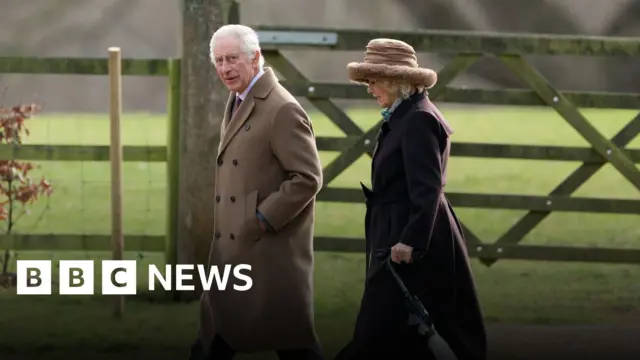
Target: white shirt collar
{"type": "Point", "coordinates": [246, 91]}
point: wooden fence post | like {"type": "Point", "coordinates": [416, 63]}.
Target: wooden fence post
{"type": "Point", "coordinates": [173, 168]}
{"type": "Point", "coordinates": [115, 112]}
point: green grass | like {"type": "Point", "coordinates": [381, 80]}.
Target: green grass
{"type": "Point", "coordinates": [510, 291]}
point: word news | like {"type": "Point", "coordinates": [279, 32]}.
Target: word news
{"type": "Point", "coordinates": [119, 277]}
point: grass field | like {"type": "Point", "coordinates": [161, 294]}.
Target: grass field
{"type": "Point", "coordinates": [510, 291]}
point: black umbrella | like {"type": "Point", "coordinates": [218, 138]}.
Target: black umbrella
{"type": "Point", "coordinates": [419, 317]}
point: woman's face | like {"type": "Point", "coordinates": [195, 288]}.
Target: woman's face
{"type": "Point", "coordinates": [380, 93]}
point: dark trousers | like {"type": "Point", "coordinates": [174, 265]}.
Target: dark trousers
{"type": "Point", "coordinates": [220, 350]}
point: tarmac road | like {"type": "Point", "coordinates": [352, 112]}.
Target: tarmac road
{"type": "Point", "coordinates": [597, 342]}
{"type": "Point", "coordinates": [506, 342]}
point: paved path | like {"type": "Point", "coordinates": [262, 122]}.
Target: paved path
{"type": "Point", "coordinates": [529, 342]}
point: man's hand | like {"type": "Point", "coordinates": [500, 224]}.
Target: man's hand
{"type": "Point", "coordinates": [401, 253]}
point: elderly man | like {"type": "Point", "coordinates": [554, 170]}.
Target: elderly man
{"type": "Point", "coordinates": [268, 175]}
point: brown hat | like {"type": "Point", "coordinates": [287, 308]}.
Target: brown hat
{"type": "Point", "coordinates": [393, 60]}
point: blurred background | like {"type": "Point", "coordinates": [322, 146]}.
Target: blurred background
{"type": "Point", "coordinates": [151, 29]}
{"type": "Point", "coordinates": [530, 304]}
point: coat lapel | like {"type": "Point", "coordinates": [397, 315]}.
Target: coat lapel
{"type": "Point", "coordinates": [403, 110]}
{"type": "Point", "coordinates": [260, 90]}
{"type": "Point", "coordinates": [375, 148]}
{"type": "Point", "coordinates": [237, 120]}
{"type": "Point", "coordinates": [225, 119]}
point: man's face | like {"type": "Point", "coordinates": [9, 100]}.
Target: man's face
{"type": "Point", "coordinates": [233, 66]}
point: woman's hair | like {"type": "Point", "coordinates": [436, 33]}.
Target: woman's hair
{"type": "Point", "coordinates": [400, 90]}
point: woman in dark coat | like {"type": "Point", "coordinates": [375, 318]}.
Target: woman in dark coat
{"type": "Point", "coordinates": [408, 213]}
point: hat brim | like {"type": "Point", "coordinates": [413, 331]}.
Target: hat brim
{"type": "Point", "coordinates": [361, 72]}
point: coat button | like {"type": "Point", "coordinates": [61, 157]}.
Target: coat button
{"type": "Point", "coordinates": [220, 161]}
{"type": "Point", "coordinates": [231, 236]}
{"type": "Point", "coordinates": [233, 199]}
{"type": "Point", "coordinates": [217, 198]}
{"type": "Point", "coordinates": [235, 162]}
{"type": "Point", "coordinates": [217, 235]}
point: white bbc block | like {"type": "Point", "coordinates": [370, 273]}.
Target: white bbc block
{"type": "Point", "coordinates": [76, 277]}
{"type": "Point", "coordinates": [119, 277]}
{"type": "Point", "coordinates": [33, 277]}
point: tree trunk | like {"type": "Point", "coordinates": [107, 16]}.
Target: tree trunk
{"type": "Point", "coordinates": [203, 99]}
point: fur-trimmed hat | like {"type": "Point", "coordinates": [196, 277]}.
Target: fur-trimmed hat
{"type": "Point", "coordinates": [393, 60]}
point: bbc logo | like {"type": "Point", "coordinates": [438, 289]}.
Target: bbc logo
{"type": "Point", "coordinates": [76, 277]}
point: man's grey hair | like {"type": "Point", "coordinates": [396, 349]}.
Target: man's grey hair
{"type": "Point", "coordinates": [248, 37]}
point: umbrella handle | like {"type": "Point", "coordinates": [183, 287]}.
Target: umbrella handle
{"type": "Point", "coordinates": [403, 287]}
{"type": "Point", "coordinates": [436, 343]}
{"type": "Point", "coordinates": [386, 254]}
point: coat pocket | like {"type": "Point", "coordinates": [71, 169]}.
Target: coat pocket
{"type": "Point", "coordinates": [251, 231]}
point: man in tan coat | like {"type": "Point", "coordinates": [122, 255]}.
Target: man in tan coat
{"type": "Point", "coordinates": [268, 175]}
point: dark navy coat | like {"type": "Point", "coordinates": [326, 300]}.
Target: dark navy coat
{"type": "Point", "coordinates": [407, 204]}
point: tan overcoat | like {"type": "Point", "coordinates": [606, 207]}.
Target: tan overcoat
{"type": "Point", "coordinates": [267, 160]}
